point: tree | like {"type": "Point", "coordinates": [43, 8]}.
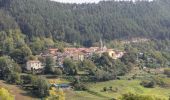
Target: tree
{"type": "Point", "coordinates": [40, 86]}
{"type": "Point", "coordinates": [37, 46]}
{"type": "Point", "coordinates": [13, 78]}
{"type": "Point", "coordinates": [43, 87]}
{"type": "Point", "coordinates": [26, 51]}
{"type": "Point", "coordinates": [58, 71]}
{"type": "Point", "coordinates": [104, 60]}
{"type": "Point", "coordinates": [129, 57]}
{"type": "Point", "coordinates": [90, 66]}
{"type": "Point", "coordinates": [31, 57]}
{"type": "Point", "coordinates": [79, 85]}
{"type": "Point", "coordinates": [48, 43]}
{"type": "Point", "coordinates": [17, 68]}
{"type": "Point", "coordinates": [101, 75]}
{"type": "Point", "coordinates": [6, 66]}
{"type": "Point", "coordinates": [49, 65]}
{"type": "Point", "coordinates": [120, 68]}
{"type": "Point", "coordinates": [20, 55]}
{"type": "Point", "coordinates": [61, 49]}
{"type": "Point", "coordinates": [70, 67]}
{"type": "Point", "coordinates": [56, 94]}
{"type": "Point", "coordinates": [123, 20]}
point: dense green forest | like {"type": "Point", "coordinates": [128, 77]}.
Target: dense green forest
{"type": "Point", "coordinates": [86, 23]}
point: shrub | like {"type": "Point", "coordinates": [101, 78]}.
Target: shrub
{"type": "Point", "coordinates": [148, 84]}
{"type": "Point", "coordinates": [58, 71]}
{"type": "Point", "coordinates": [13, 77]}
{"type": "Point", "coordinates": [159, 81]}
{"type": "Point", "coordinates": [104, 89]}
{"type": "Point", "coordinates": [111, 88]}
{"type": "Point", "coordinates": [131, 96]}
{"type": "Point", "coordinates": [40, 86]}
{"type": "Point", "coordinates": [167, 72]}
{"type": "Point", "coordinates": [80, 87]}
{"type": "Point", "coordinates": [101, 75]}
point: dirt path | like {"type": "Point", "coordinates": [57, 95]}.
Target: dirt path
{"type": "Point", "coordinates": [17, 91]}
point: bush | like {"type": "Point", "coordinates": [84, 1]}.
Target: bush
{"type": "Point", "coordinates": [159, 81]}
{"type": "Point", "coordinates": [80, 87]}
{"type": "Point", "coordinates": [58, 71]}
{"type": "Point", "coordinates": [40, 87]}
{"type": "Point", "coordinates": [101, 75]}
{"type": "Point", "coordinates": [167, 72]}
{"type": "Point", "coordinates": [104, 89]}
{"type": "Point", "coordinates": [13, 78]}
{"type": "Point", "coordinates": [26, 79]}
{"type": "Point", "coordinates": [111, 88]}
{"type": "Point", "coordinates": [148, 84]}
{"type": "Point", "coordinates": [131, 96]}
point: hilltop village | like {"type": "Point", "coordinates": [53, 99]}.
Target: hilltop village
{"type": "Point", "coordinates": [75, 54]}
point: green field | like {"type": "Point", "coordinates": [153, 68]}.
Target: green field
{"type": "Point", "coordinates": [121, 87]}
{"type": "Point", "coordinates": [82, 95]}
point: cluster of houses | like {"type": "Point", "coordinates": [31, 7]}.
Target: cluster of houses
{"type": "Point", "coordinates": [76, 54]}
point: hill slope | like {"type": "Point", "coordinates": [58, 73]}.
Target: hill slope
{"type": "Point", "coordinates": [86, 23]}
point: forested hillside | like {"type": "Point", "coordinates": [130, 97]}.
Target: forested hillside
{"type": "Point", "coordinates": [137, 35]}
{"type": "Point", "coordinates": [86, 23]}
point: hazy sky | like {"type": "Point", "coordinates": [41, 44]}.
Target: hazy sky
{"type": "Point", "coordinates": [84, 1]}
{"type": "Point", "coordinates": [78, 1]}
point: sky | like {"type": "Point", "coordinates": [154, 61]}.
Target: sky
{"type": "Point", "coordinates": [77, 1]}
{"type": "Point", "coordinates": [83, 1]}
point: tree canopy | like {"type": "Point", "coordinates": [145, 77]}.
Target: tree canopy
{"type": "Point", "coordinates": [86, 23]}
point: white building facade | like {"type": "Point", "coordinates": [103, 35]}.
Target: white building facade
{"type": "Point", "coordinates": [34, 64]}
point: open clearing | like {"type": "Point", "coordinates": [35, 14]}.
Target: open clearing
{"type": "Point", "coordinates": [126, 86]}
{"type": "Point", "coordinates": [121, 87]}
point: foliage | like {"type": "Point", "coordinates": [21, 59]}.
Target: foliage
{"type": "Point", "coordinates": [70, 23]}
{"type": "Point", "coordinates": [13, 77]}
{"type": "Point", "coordinates": [101, 75]}
{"type": "Point", "coordinates": [37, 44]}
{"type": "Point", "coordinates": [108, 68]}
{"type": "Point", "coordinates": [7, 66]}
{"type": "Point", "coordinates": [41, 87]}
{"type": "Point", "coordinates": [58, 71]}
{"type": "Point", "coordinates": [89, 65]}
{"type": "Point", "coordinates": [148, 84]}
{"type": "Point", "coordinates": [56, 94]}
{"type": "Point", "coordinates": [131, 96]}
{"type": "Point", "coordinates": [79, 86]}
{"type": "Point", "coordinates": [49, 65]}
{"type": "Point", "coordinates": [27, 79]}
{"type": "Point", "coordinates": [167, 71]}
{"type": "Point", "coordinates": [5, 95]}
{"type": "Point", "coordinates": [20, 55]}
{"type": "Point", "coordinates": [70, 67]}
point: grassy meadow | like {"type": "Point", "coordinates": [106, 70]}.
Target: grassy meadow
{"type": "Point", "coordinates": [125, 86]}
{"type": "Point", "coordinates": [119, 87]}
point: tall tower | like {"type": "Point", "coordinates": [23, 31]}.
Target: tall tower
{"type": "Point", "coordinates": [101, 44]}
